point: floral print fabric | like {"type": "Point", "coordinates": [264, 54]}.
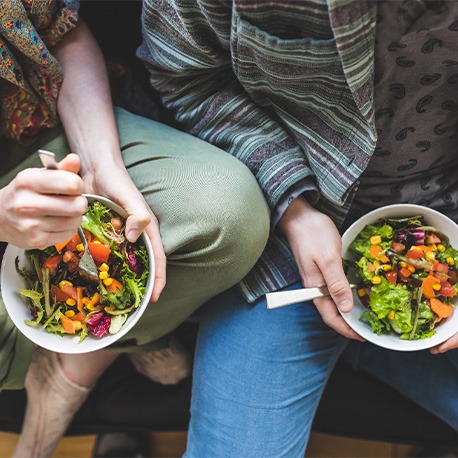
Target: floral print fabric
{"type": "Point", "coordinates": [30, 77]}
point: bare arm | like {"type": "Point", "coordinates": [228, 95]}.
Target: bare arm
{"type": "Point", "coordinates": [86, 111]}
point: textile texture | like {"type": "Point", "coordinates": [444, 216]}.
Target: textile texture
{"type": "Point", "coordinates": [214, 225]}
{"type": "Point", "coordinates": [30, 77]}
{"type": "Point", "coordinates": [286, 87]}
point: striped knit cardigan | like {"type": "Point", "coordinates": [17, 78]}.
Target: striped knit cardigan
{"type": "Point", "coordinates": [286, 86]}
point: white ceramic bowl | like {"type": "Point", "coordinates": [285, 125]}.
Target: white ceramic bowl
{"type": "Point", "coordinates": [447, 327]}
{"type": "Point", "coordinates": [18, 311]}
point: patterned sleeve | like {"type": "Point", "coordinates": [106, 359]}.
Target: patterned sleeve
{"type": "Point", "coordinates": [60, 18]}
{"type": "Point", "coordinates": [30, 77]}
{"type": "Point", "coordinates": [187, 53]}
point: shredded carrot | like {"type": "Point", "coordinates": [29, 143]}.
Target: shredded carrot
{"type": "Point", "coordinates": [79, 300]}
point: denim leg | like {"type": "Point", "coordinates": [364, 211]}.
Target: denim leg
{"type": "Point", "coordinates": [429, 380]}
{"type": "Point", "coordinates": [258, 377]}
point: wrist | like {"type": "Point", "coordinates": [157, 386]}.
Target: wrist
{"type": "Point", "coordinates": [100, 158]}
{"type": "Point", "coordinates": [292, 218]}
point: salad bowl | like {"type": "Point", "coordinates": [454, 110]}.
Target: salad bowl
{"type": "Point", "coordinates": [11, 282]}
{"type": "Point", "coordinates": [448, 326]}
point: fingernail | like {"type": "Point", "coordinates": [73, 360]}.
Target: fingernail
{"type": "Point", "coordinates": [132, 236]}
{"type": "Point", "coordinates": [344, 305]}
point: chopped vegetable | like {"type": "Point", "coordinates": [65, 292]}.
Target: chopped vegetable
{"type": "Point", "coordinates": [408, 270]}
{"type": "Point", "coordinates": [63, 301]}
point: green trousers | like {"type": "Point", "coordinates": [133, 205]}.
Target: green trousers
{"type": "Point", "coordinates": [213, 218]}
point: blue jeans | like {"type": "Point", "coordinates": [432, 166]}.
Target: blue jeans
{"type": "Point", "coordinates": [259, 375]}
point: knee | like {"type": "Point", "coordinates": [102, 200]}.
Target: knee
{"type": "Point", "coordinates": [240, 216]}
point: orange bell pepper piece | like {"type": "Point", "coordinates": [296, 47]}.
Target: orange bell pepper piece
{"type": "Point", "coordinates": [377, 253]}
{"type": "Point", "coordinates": [428, 283]}
{"type": "Point", "coordinates": [68, 324]}
{"type": "Point", "coordinates": [115, 285]}
{"type": "Point", "coordinates": [441, 309]}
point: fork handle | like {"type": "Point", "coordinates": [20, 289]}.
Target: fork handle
{"type": "Point", "coordinates": [48, 159]}
{"type": "Point", "coordinates": [281, 298]}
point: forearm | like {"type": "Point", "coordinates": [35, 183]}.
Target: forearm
{"type": "Point", "coordinates": [84, 103]}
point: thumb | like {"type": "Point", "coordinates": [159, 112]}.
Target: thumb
{"type": "Point", "coordinates": [137, 222]}
{"type": "Point", "coordinates": [339, 288]}
{"type": "Point", "coordinates": [70, 163]}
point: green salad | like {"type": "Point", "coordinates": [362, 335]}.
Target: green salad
{"type": "Point", "coordinates": [408, 276]}
{"type": "Point", "coordinates": [63, 300]}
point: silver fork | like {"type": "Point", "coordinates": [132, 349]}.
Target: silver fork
{"type": "Point", "coordinates": [87, 263]}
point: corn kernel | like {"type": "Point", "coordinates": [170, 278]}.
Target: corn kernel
{"type": "Point", "coordinates": [103, 275]}
{"type": "Point", "coordinates": [403, 264]}
{"type": "Point", "coordinates": [440, 247]}
{"type": "Point", "coordinates": [85, 300]}
{"type": "Point", "coordinates": [376, 280]}
{"type": "Point", "coordinates": [375, 239]}
{"type": "Point", "coordinates": [450, 261]}
{"type": "Point", "coordinates": [70, 301]}
{"type": "Point", "coordinates": [376, 264]}
{"type": "Point", "coordinates": [386, 267]}
{"type": "Point", "coordinates": [391, 315]}
{"type": "Point", "coordinates": [108, 281]}
{"type": "Point", "coordinates": [109, 308]}
{"type": "Point", "coordinates": [104, 267]}
{"type": "Point", "coordinates": [69, 313]}
{"type": "Point", "coordinates": [430, 256]}
{"type": "Point", "coordinates": [97, 242]}
{"type": "Point", "coordinates": [411, 268]}
{"type": "Point", "coordinates": [361, 292]}
{"type": "Point", "coordinates": [90, 307]}
{"type": "Point", "coordinates": [65, 282]}
{"type": "Point", "coordinates": [436, 286]}
{"type": "Point", "coordinates": [433, 246]}
{"type": "Point", "coordinates": [77, 325]}
{"type": "Point", "coordinates": [80, 247]}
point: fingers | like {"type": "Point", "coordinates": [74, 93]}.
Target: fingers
{"type": "Point", "coordinates": [159, 259]}
{"type": "Point", "coordinates": [140, 217]}
{"type": "Point", "coordinates": [29, 204]}
{"type": "Point", "coordinates": [449, 344]}
{"type": "Point", "coordinates": [39, 238]}
{"type": "Point", "coordinates": [70, 163]}
{"type": "Point", "coordinates": [317, 249]}
{"type": "Point", "coordinates": [144, 220]}
{"type": "Point", "coordinates": [327, 309]}
{"type": "Point", "coordinates": [137, 221]}
{"type": "Point", "coordinates": [327, 270]}
{"type": "Point", "coordinates": [44, 181]}
{"type": "Point", "coordinates": [338, 286]}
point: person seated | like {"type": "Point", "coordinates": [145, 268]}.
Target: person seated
{"type": "Point", "coordinates": [191, 199]}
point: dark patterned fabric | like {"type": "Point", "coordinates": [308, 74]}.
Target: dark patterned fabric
{"type": "Point", "coordinates": [284, 86]}
{"type": "Point", "coordinates": [416, 99]}
{"type": "Point", "coordinates": [30, 77]}
{"type": "Point", "coordinates": [287, 87]}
